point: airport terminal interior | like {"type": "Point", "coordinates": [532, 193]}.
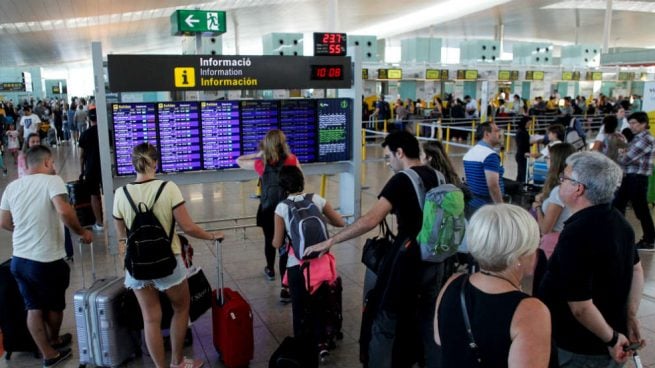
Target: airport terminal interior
{"type": "Point", "coordinates": [559, 58]}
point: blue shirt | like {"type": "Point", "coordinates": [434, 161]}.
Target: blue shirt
{"type": "Point", "coordinates": [477, 160]}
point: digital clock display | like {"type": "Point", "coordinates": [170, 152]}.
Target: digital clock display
{"type": "Point", "coordinates": [327, 72]}
{"type": "Point", "coordinates": [329, 44]}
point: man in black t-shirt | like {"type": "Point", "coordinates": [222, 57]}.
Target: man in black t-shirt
{"type": "Point", "coordinates": [90, 166]}
{"type": "Point", "coordinates": [594, 280]}
{"type": "Point", "coordinates": [396, 332]}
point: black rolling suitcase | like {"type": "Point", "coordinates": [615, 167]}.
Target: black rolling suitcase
{"type": "Point", "coordinates": [80, 198]}
{"type": "Point", "coordinates": [13, 316]}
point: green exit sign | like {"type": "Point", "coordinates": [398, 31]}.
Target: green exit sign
{"type": "Point", "coordinates": [184, 22]}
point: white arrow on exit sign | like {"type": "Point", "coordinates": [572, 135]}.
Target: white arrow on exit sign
{"type": "Point", "coordinates": [190, 21]}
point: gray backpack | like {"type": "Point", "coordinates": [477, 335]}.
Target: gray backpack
{"type": "Point", "coordinates": [306, 224]}
{"type": "Point", "coordinates": [442, 230]}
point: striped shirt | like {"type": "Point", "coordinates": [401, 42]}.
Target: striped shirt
{"type": "Point", "coordinates": [639, 157]}
{"type": "Point", "coordinates": [477, 160]}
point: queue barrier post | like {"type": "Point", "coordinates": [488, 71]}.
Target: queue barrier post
{"type": "Point", "coordinates": [363, 144]}
{"type": "Point", "coordinates": [473, 133]}
{"type": "Point", "coordinates": [447, 139]}
{"type": "Point", "coordinates": [323, 185]}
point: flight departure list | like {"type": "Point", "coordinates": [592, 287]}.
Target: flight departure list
{"type": "Point", "coordinates": [134, 123]}
{"type": "Point", "coordinates": [221, 134]}
{"type": "Point", "coordinates": [334, 127]}
{"type": "Point", "coordinates": [298, 122]}
{"type": "Point", "coordinates": [179, 136]}
{"type": "Point", "coordinates": [211, 135]}
{"type": "Point", "coordinates": [257, 118]}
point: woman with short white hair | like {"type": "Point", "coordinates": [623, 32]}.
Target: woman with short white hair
{"type": "Point", "coordinates": [486, 316]}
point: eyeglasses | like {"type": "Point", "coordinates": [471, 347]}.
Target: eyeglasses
{"type": "Point", "coordinates": [562, 178]}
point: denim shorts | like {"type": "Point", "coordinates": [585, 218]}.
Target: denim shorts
{"type": "Point", "coordinates": [42, 285]}
{"type": "Point", "coordinates": [164, 283]}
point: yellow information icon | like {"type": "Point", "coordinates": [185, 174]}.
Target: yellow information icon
{"type": "Point", "coordinates": [185, 77]}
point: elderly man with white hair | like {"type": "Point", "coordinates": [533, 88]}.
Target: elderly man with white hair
{"type": "Point", "coordinates": [594, 280]}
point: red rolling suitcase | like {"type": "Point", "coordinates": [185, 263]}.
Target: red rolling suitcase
{"type": "Point", "coordinates": [231, 322]}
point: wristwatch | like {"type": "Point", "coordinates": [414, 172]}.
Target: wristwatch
{"type": "Point", "coordinates": [613, 340]}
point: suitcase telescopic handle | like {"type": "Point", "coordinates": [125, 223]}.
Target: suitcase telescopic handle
{"type": "Point", "coordinates": [93, 263]}
{"type": "Point", "coordinates": [219, 271]}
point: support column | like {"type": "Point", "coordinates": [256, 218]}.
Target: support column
{"type": "Point", "coordinates": [607, 26]}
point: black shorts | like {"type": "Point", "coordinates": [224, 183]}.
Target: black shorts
{"type": "Point", "coordinates": [93, 185]}
{"type": "Point", "coordinates": [42, 285]}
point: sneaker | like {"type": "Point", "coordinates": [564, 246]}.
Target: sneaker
{"type": "Point", "coordinates": [270, 274]}
{"type": "Point", "coordinates": [644, 245]}
{"type": "Point", "coordinates": [189, 363]}
{"type": "Point", "coordinates": [63, 355]}
{"type": "Point", "coordinates": [4, 172]}
{"type": "Point", "coordinates": [323, 353]}
{"type": "Point", "coordinates": [285, 295]}
{"type": "Point", "coordinates": [98, 228]}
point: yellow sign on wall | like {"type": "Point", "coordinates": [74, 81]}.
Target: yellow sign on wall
{"type": "Point", "coordinates": [185, 77]}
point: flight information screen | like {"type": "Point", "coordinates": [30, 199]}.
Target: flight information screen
{"type": "Point", "coordinates": [298, 122]}
{"type": "Point", "coordinates": [221, 135]}
{"type": "Point", "coordinates": [257, 118]}
{"type": "Point", "coordinates": [179, 136]}
{"type": "Point", "coordinates": [334, 129]}
{"type": "Point", "coordinates": [134, 123]}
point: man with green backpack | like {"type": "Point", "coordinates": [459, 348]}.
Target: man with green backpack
{"type": "Point", "coordinates": [400, 308]}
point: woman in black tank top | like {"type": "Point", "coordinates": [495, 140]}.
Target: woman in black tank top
{"type": "Point", "coordinates": [507, 327]}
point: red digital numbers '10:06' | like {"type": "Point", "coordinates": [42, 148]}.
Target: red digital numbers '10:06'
{"type": "Point", "coordinates": [327, 72]}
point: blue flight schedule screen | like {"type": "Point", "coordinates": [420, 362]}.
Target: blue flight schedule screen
{"type": "Point", "coordinates": [134, 123]}
{"type": "Point", "coordinates": [221, 134]}
{"type": "Point", "coordinates": [179, 136]}
{"type": "Point", "coordinates": [334, 129]}
{"type": "Point", "coordinates": [257, 118]}
{"type": "Point", "coordinates": [298, 122]}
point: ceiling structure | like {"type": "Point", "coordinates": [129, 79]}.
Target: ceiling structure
{"type": "Point", "coordinates": [47, 32]}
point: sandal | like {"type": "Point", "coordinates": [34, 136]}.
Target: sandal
{"type": "Point", "coordinates": [188, 363]}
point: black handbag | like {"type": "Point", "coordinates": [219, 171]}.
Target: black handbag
{"type": "Point", "coordinates": [376, 248]}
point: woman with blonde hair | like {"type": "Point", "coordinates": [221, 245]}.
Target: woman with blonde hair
{"type": "Point", "coordinates": [485, 319]}
{"type": "Point", "coordinates": [273, 155]}
{"type": "Point", "coordinates": [167, 204]}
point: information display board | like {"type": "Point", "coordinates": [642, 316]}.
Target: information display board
{"type": "Point", "coordinates": [467, 74]}
{"type": "Point", "coordinates": [334, 129]}
{"type": "Point", "coordinates": [211, 135]}
{"type": "Point", "coordinates": [257, 118]}
{"type": "Point", "coordinates": [298, 122]}
{"type": "Point", "coordinates": [221, 134]}
{"type": "Point", "coordinates": [179, 136]}
{"type": "Point", "coordinates": [133, 124]}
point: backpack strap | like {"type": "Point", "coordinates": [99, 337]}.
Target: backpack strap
{"type": "Point", "coordinates": [419, 186]}
{"type": "Point", "coordinates": [159, 191]}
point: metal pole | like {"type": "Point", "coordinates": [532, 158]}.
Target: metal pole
{"type": "Point", "coordinates": [607, 26]}
{"type": "Point", "coordinates": [103, 141]}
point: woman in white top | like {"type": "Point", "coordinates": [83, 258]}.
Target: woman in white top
{"type": "Point", "coordinates": [168, 207]}
{"type": "Point", "coordinates": [293, 183]}
{"type": "Point", "coordinates": [551, 211]}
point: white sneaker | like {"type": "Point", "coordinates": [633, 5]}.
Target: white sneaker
{"type": "Point", "coordinates": [98, 228]}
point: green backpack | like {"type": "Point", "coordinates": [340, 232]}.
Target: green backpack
{"type": "Point", "coordinates": [443, 218]}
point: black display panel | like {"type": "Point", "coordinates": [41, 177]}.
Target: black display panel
{"type": "Point", "coordinates": [134, 123]}
{"type": "Point", "coordinates": [257, 118]}
{"type": "Point", "coordinates": [179, 136]}
{"type": "Point", "coordinates": [221, 134]}
{"type": "Point", "coordinates": [298, 122]}
{"type": "Point", "coordinates": [334, 129]}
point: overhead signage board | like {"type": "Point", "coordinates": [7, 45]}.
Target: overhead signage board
{"type": "Point", "coordinates": [433, 74]}
{"type": "Point", "coordinates": [390, 74]}
{"type": "Point", "coordinates": [594, 76]}
{"type": "Point", "coordinates": [504, 75]}
{"type": "Point", "coordinates": [626, 76]}
{"type": "Point", "coordinates": [468, 74]}
{"type": "Point", "coordinates": [534, 75]}
{"type": "Point", "coordinates": [330, 44]}
{"type": "Point", "coordinates": [185, 22]}
{"type": "Point", "coordinates": [135, 73]}
{"type": "Point", "coordinates": [364, 73]}
{"type": "Point", "coordinates": [12, 87]}
{"type": "Point", "coordinates": [567, 76]}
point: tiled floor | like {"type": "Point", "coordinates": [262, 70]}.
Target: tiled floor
{"type": "Point", "coordinates": [244, 264]}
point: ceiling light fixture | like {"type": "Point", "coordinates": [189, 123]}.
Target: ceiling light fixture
{"type": "Point", "coordinates": [625, 5]}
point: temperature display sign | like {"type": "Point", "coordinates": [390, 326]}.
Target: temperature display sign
{"type": "Point", "coordinates": [329, 44]}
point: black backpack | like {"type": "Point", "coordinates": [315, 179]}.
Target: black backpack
{"type": "Point", "coordinates": [272, 192]}
{"type": "Point", "coordinates": [149, 254]}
